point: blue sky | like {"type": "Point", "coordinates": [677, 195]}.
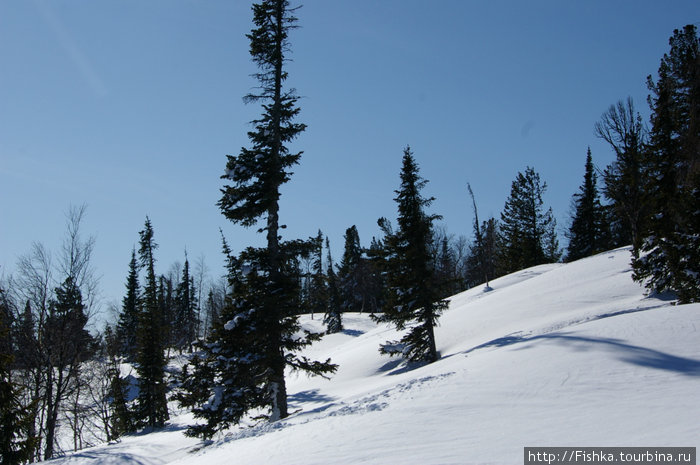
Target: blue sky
{"type": "Point", "coordinates": [131, 106]}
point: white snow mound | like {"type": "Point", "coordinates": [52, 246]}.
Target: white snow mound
{"type": "Point", "coordinates": [555, 355]}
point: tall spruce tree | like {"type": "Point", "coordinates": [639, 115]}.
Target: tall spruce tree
{"type": "Point", "coordinates": [333, 318]}
{"type": "Point", "coordinates": [16, 420]}
{"type": "Point", "coordinates": [185, 331]}
{"type": "Point", "coordinates": [375, 275]}
{"type": "Point", "coordinates": [232, 373]}
{"type": "Point", "coordinates": [129, 316]}
{"type": "Point", "coordinates": [589, 231]}
{"type": "Point", "coordinates": [120, 415]}
{"type": "Point", "coordinates": [480, 252]}
{"type": "Point", "coordinates": [414, 299]}
{"type": "Point", "coordinates": [257, 174]}
{"type": "Point", "coordinates": [152, 406]}
{"type": "Point", "coordinates": [670, 258]}
{"type": "Point", "coordinates": [318, 287]}
{"type": "Point", "coordinates": [527, 232]}
{"type": "Point", "coordinates": [483, 260]}
{"type": "Point", "coordinates": [351, 273]}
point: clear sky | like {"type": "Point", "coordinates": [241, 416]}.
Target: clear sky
{"type": "Point", "coordinates": [130, 106]}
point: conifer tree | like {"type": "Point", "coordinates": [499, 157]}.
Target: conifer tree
{"type": "Point", "coordinates": [152, 407]}
{"type": "Point", "coordinates": [185, 309]}
{"type": "Point", "coordinates": [527, 233]}
{"type": "Point", "coordinates": [121, 418]}
{"type": "Point", "coordinates": [446, 268]}
{"type": "Point", "coordinates": [350, 273]}
{"type": "Point", "coordinates": [26, 345]}
{"type": "Point", "coordinates": [480, 251]}
{"type": "Point", "coordinates": [129, 316]}
{"type": "Point", "coordinates": [334, 317]}
{"type": "Point", "coordinates": [485, 260]}
{"type": "Point", "coordinates": [167, 307]}
{"type": "Point", "coordinates": [589, 232]}
{"type": "Point", "coordinates": [621, 127]}
{"type": "Point", "coordinates": [375, 275]}
{"type": "Point", "coordinates": [671, 249]}
{"type": "Point", "coordinates": [233, 375]}
{"type": "Point", "coordinates": [266, 300]}
{"type": "Point", "coordinates": [318, 287]}
{"type": "Point", "coordinates": [67, 345]}
{"type": "Point", "coordinates": [413, 295]}
{"type": "Point", "coordinates": [16, 421]}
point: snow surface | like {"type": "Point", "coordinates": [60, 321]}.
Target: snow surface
{"type": "Point", "coordinates": [555, 355]}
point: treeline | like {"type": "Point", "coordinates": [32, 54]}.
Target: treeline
{"type": "Point", "coordinates": [57, 376]}
{"type": "Point", "coordinates": [242, 335]}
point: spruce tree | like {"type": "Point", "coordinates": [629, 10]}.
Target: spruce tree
{"type": "Point", "coordinates": [414, 295]}
{"type": "Point", "coordinates": [624, 181]}
{"type": "Point", "coordinates": [263, 306]}
{"type": "Point", "coordinates": [167, 307]}
{"type": "Point", "coordinates": [480, 253]}
{"type": "Point", "coordinates": [527, 232]}
{"type": "Point", "coordinates": [375, 275]}
{"type": "Point", "coordinates": [318, 287]}
{"type": "Point", "coordinates": [334, 316]}
{"type": "Point", "coordinates": [16, 420]}
{"type": "Point", "coordinates": [482, 260]}
{"type": "Point", "coordinates": [232, 373]}
{"type": "Point", "coordinates": [152, 406]}
{"type": "Point", "coordinates": [26, 345]}
{"type": "Point", "coordinates": [67, 345]}
{"type": "Point", "coordinates": [350, 273]}
{"type": "Point", "coordinates": [589, 232]}
{"type": "Point", "coordinates": [185, 310]}
{"type": "Point", "coordinates": [129, 316]}
{"type": "Point", "coordinates": [670, 258]}
{"type": "Point", "coordinates": [121, 417]}
{"type": "Point", "coordinates": [446, 268]}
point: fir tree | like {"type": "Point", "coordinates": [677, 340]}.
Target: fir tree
{"type": "Point", "coordinates": [375, 275]}
{"type": "Point", "coordinates": [318, 288]}
{"type": "Point", "coordinates": [129, 316]}
{"type": "Point", "coordinates": [233, 374]}
{"type": "Point", "coordinates": [67, 345]}
{"type": "Point", "coordinates": [257, 174]}
{"type": "Point", "coordinates": [167, 308]}
{"type": "Point", "coordinates": [334, 317]}
{"type": "Point", "coordinates": [152, 407]}
{"type": "Point", "coordinates": [185, 309]}
{"type": "Point", "coordinates": [480, 252]}
{"type": "Point", "coordinates": [670, 258]}
{"type": "Point", "coordinates": [446, 269]}
{"type": "Point", "coordinates": [589, 232]}
{"type": "Point", "coordinates": [350, 273]}
{"type": "Point", "coordinates": [121, 417]}
{"type": "Point", "coordinates": [16, 421]}
{"type": "Point", "coordinates": [413, 300]}
{"type": "Point", "coordinates": [26, 344]}
{"type": "Point", "coordinates": [527, 233]}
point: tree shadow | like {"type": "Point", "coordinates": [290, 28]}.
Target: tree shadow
{"type": "Point", "coordinates": [629, 353]}
{"type": "Point", "coordinates": [312, 395]}
{"type": "Point", "coordinates": [109, 456]}
{"type": "Point", "coordinates": [399, 366]}
{"type": "Point", "coordinates": [352, 332]}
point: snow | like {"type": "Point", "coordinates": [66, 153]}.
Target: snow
{"type": "Point", "coordinates": [556, 355]}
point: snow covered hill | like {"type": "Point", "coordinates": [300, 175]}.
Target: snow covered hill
{"type": "Point", "coordinates": [556, 355]}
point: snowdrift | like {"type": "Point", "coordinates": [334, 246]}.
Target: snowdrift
{"type": "Point", "coordinates": [555, 355]}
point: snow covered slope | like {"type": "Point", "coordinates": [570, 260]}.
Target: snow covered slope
{"type": "Point", "coordinates": [556, 355]}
